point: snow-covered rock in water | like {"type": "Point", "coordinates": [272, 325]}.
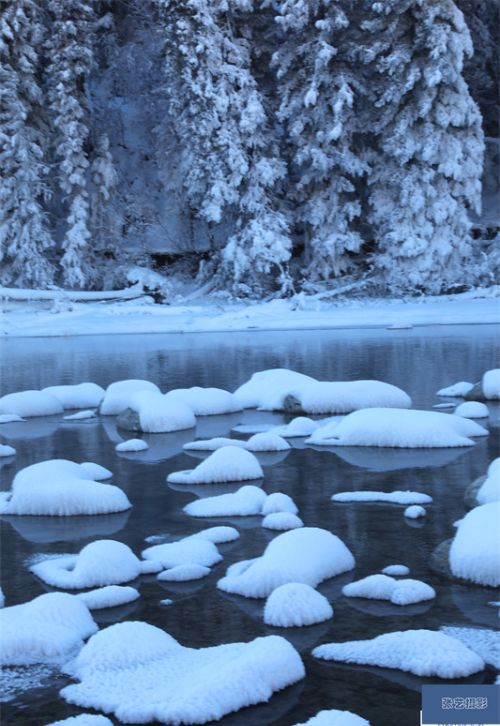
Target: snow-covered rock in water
{"type": "Point", "coordinates": [282, 521]}
{"type": "Point", "coordinates": [330, 397]}
{"type": "Point", "coordinates": [103, 562]}
{"type": "Point", "coordinates": [153, 413]}
{"type": "Point", "coordinates": [59, 487]}
{"type": "Point", "coordinates": [83, 719]}
{"type": "Point", "coordinates": [217, 535]}
{"type": "Point", "coordinates": [279, 502]}
{"type": "Point", "coordinates": [227, 464]}
{"type": "Point", "coordinates": [482, 641]}
{"type": "Point", "coordinates": [184, 573]}
{"type": "Point", "coordinates": [188, 551]}
{"type": "Point", "coordinates": [124, 662]}
{"type": "Point", "coordinates": [50, 628]}
{"type": "Point", "coordinates": [383, 587]}
{"type": "Point", "coordinates": [472, 409]}
{"type": "Point", "coordinates": [393, 570]}
{"type": "Point", "coordinates": [109, 596]}
{"type": "Point", "coordinates": [247, 501]}
{"type": "Point", "coordinates": [82, 395]}
{"type": "Point", "coordinates": [391, 427]}
{"type": "Point", "coordinates": [457, 390]}
{"type": "Point", "coordinates": [29, 404]}
{"type": "Point", "coordinates": [6, 450]}
{"type": "Point", "coordinates": [388, 497]}
{"type": "Point", "coordinates": [296, 604]}
{"type": "Point", "coordinates": [267, 442]}
{"type": "Point", "coordinates": [298, 427]}
{"type": "Point", "coordinates": [491, 384]}
{"type": "Point", "coordinates": [333, 717]}
{"type": "Point", "coordinates": [268, 389]}
{"type": "Point", "coordinates": [6, 418]}
{"type": "Point", "coordinates": [118, 394]}
{"type": "Point", "coordinates": [475, 550]}
{"type": "Point", "coordinates": [206, 401]}
{"type": "Point", "coordinates": [132, 445]}
{"type": "Point", "coordinates": [422, 652]}
{"type": "Point", "coordinates": [213, 444]}
{"type": "Point", "coordinates": [415, 511]}
{"type": "Point", "coordinates": [80, 416]}
{"type": "Point", "coordinates": [96, 471]}
{"type": "Point", "coordinates": [489, 491]}
{"type": "Point", "coordinates": [308, 555]}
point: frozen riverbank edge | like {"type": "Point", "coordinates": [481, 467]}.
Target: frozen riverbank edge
{"type": "Point", "coordinates": [62, 316]}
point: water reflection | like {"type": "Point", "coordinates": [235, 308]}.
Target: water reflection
{"type": "Point", "coordinates": [42, 530]}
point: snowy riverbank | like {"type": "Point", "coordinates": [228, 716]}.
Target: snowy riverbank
{"type": "Point", "coordinates": [63, 316]}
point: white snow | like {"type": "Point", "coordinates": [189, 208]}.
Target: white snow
{"type": "Point", "coordinates": [475, 550]}
{"type": "Point", "coordinates": [30, 404]}
{"type": "Point", "coordinates": [422, 652]}
{"type": "Point", "coordinates": [6, 418]}
{"type": "Point", "coordinates": [391, 427]}
{"type": "Point", "coordinates": [50, 628]}
{"type": "Point", "coordinates": [83, 719]}
{"type": "Point", "coordinates": [188, 551]}
{"type": "Point", "coordinates": [80, 416]}
{"type": "Point", "coordinates": [96, 471]}
{"type": "Point", "coordinates": [118, 394]}
{"type": "Point", "coordinates": [81, 395]}
{"type": "Point", "coordinates": [282, 521]}
{"type": "Point", "coordinates": [247, 501]}
{"type": "Point", "coordinates": [489, 491]}
{"type": "Point", "coordinates": [161, 414]}
{"type": "Point", "coordinates": [124, 662]}
{"type": "Point", "coordinates": [396, 497]}
{"type": "Point", "coordinates": [183, 573]}
{"type": "Point", "coordinates": [268, 441]}
{"type": "Point", "coordinates": [296, 604]}
{"type": "Point", "coordinates": [217, 535]}
{"type": "Point", "coordinates": [206, 401]}
{"type": "Point", "coordinates": [132, 445]}
{"type": "Point", "coordinates": [59, 487]}
{"type": "Point", "coordinates": [298, 427]}
{"type": "Point", "coordinates": [103, 562]}
{"type": "Point", "coordinates": [333, 397]}
{"type": "Point", "coordinates": [457, 390]}
{"type": "Point", "coordinates": [279, 502]}
{"type": "Point", "coordinates": [267, 389]}
{"type": "Point", "coordinates": [472, 409]}
{"type": "Point", "coordinates": [383, 587]}
{"type": "Point", "coordinates": [333, 717]}
{"type": "Point", "coordinates": [482, 641]}
{"type": "Point", "coordinates": [490, 384]}
{"type": "Point", "coordinates": [109, 596]}
{"type": "Point", "coordinates": [308, 555]}
{"type": "Point", "coordinates": [227, 464]}
{"type": "Point", "coordinates": [415, 511]}
{"type": "Point", "coordinates": [6, 450]}
{"type": "Point", "coordinates": [396, 570]}
{"type": "Point", "coordinates": [213, 444]}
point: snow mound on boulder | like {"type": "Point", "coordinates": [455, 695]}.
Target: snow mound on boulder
{"type": "Point", "coordinates": [59, 487]}
{"type": "Point", "coordinates": [333, 717]}
{"type": "Point", "coordinates": [383, 587]}
{"type": "Point", "coordinates": [50, 628]}
{"type": "Point", "coordinates": [298, 427]}
{"type": "Point", "coordinates": [83, 719]}
{"type": "Point", "coordinates": [296, 604]}
{"type": "Point", "coordinates": [308, 555]}
{"type": "Point", "coordinates": [330, 397]}
{"type": "Point", "coordinates": [103, 562]}
{"type": "Point", "coordinates": [391, 427]}
{"type": "Point", "coordinates": [188, 551]}
{"type": "Point", "coordinates": [96, 471]}
{"type": "Point", "coordinates": [80, 416]}
{"type": "Point", "coordinates": [267, 441]}
{"type": "Point", "coordinates": [132, 445]}
{"type": "Point", "coordinates": [217, 535]}
{"type": "Point", "coordinates": [81, 395]}
{"type": "Point", "coordinates": [279, 502]}
{"type": "Point", "coordinates": [388, 497]}
{"type": "Point", "coordinates": [247, 501]}
{"type": "Point", "coordinates": [227, 464]}
{"type": "Point", "coordinates": [489, 491]}
{"type": "Point", "coordinates": [282, 521]}
{"type": "Point", "coordinates": [268, 389]}
{"type": "Point", "coordinates": [457, 390]}
{"type": "Point", "coordinates": [422, 652]}
{"type": "Point", "coordinates": [490, 384]}
{"type": "Point", "coordinates": [29, 404]}
{"type": "Point", "coordinates": [160, 414]}
{"type": "Point", "coordinates": [475, 550]}
{"type": "Point", "coordinates": [184, 685]}
{"type": "Point", "coordinates": [6, 418]}
{"type": "Point", "coordinates": [472, 409]}
{"type": "Point", "coordinates": [396, 570]}
{"type": "Point", "coordinates": [213, 444]}
{"type": "Point", "coordinates": [482, 641]}
{"type": "Point", "coordinates": [6, 450]}
{"type": "Point", "coordinates": [110, 596]}
{"type": "Point", "coordinates": [415, 511]}
{"type": "Point", "coordinates": [184, 573]}
{"type": "Point", "coordinates": [206, 401]}
{"type": "Point", "coordinates": [118, 395]}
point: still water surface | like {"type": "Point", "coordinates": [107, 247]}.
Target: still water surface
{"type": "Point", "coordinates": [420, 361]}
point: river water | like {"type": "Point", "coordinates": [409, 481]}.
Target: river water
{"type": "Point", "coordinates": [420, 361]}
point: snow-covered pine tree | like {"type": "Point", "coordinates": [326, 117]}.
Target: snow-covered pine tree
{"type": "Point", "coordinates": [230, 162]}
{"type": "Point", "coordinates": [24, 238]}
{"type": "Point", "coordinates": [69, 50]}
{"type": "Point", "coordinates": [426, 167]}
{"type": "Point", "coordinates": [317, 86]}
